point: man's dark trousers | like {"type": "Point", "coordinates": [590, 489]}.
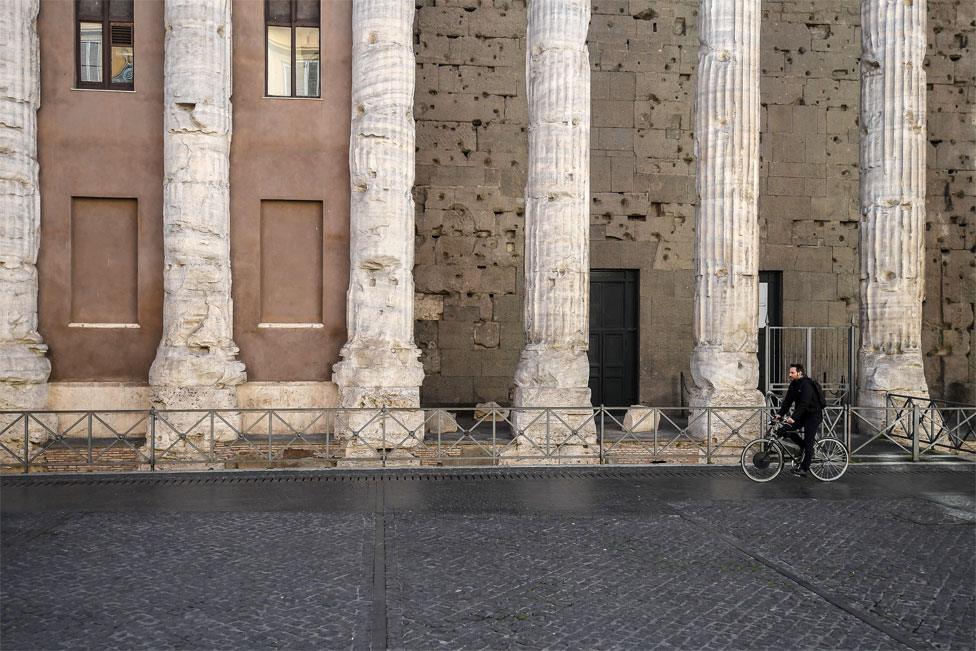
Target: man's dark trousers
{"type": "Point", "coordinates": [811, 425]}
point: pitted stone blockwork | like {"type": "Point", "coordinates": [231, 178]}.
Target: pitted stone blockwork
{"type": "Point", "coordinates": [892, 244]}
{"type": "Point", "coordinates": [553, 370]}
{"type": "Point", "coordinates": [380, 364]}
{"type": "Point", "coordinates": [24, 368]}
{"type": "Point", "coordinates": [471, 172]}
{"type": "Point", "coordinates": [196, 365]}
{"type": "Point", "coordinates": [724, 364]}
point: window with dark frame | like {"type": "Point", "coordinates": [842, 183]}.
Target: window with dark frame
{"type": "Point", "coordinates": [104, 35]}
{"type": "Point", "coordinates": [292, 62]}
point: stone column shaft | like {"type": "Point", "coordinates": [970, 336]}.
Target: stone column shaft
{"type": "Point", "coordinates": [553, 369]}
{"type": "Point", "coordinates": [557, 267]}
{"type": "Point", "coordinates": [724, 364]}
{"type": "Point", "coordinates": [24, 368]}
{"type": "Point", "coordinates": [196, 364]}
{"type": "Point", "coordinates": [892, 242]}
{"type": "Point", "coordinates": [380, 364]}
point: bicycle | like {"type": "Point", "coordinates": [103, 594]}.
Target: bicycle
{"type": "Point", "coordinates": [763, 459]}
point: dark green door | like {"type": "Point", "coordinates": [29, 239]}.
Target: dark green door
{"type": "Point", "coordinates": [613, 337]}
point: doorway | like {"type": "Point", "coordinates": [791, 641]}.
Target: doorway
{"type": "Point", "coordinates": [613, 336]}
{"type": "Point", "coordinates": [770, 314]}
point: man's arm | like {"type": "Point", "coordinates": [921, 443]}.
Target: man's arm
{"type": "Point", "coordinates": [787, 400]}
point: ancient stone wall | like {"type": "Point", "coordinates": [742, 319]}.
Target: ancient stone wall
{"type": "Point", "coordinates": [471, 160]}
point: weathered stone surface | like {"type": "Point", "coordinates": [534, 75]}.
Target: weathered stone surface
{"type": "Point", "coordinates": [24, 368]}
{"type": "Point", "coordinates": [553, 370]}
{"type": "Point", "coordinates": [641, 419]}
{"type": "Point", "coordinates": [724, 364]}
{"type": "Point", "coordinates": [892, 245]}
{"type": "Point", "coordinates": [489, 412]}
{"type": "Point", "coordinates": [428, 307]}
{"type": "Point", "coordinates": [380, 364]}
{"type": "Point", "coordinates": [441, 421]}
{"type": "Point", "coordinates": [196, 365]}
{"type": "Point", "coordinates": [808, 213]}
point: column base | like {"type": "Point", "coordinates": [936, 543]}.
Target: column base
{"type": "Point", "coordinates": [24, 371]}
{"type": "Point", "coordinates": [373, 378]}
{"type": "Point", "coordinates": [376, 429]}
{"type": "Point", "coordinates": [358, 456]}
{"type": "Point", "coordinates": [880, 373]}
{"type": "Point", "coordinates": [24, 397]}
{"type": "Point", "coordinates": [736, 418]}
{"type": "Point", "coordinates": [903, 374]}
{"type": "Point", "coordinates": [560, 436]}
{"type": "Point", "coordinates": [23, 363]}
{"type": "Point", "coordinates": [183, 435]}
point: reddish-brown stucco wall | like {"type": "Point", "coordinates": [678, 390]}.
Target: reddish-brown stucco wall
{"type": "Point", "coordinates": [291, 149]}
{"type": "Point", "coordinates": [99, 144]}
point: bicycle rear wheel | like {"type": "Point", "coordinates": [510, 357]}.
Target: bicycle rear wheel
{"type": "Point", "coordinates": [830, 460]}
{"type": "Point", "coordinates": [762, 460]}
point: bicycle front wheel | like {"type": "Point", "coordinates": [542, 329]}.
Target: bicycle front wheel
{"type": "Point", "coordinates": [830, 460]}
{"type": "Point", "coordinates": [762, 460]}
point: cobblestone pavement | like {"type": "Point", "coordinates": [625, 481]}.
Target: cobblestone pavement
{"type": "Point", "coordinates": [695, 558]}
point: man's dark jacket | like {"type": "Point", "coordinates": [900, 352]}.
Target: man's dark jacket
{"type": "Point", "coordinates": [802, 394]}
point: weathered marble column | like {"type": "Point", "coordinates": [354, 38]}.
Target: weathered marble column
{"type": "Point", "coordinates": [553, 369]}
{"type": "Point", "coordinates": [892, 242]}
{"type": "Point", "coordinates": [24, 369]}
{"type": "Point", "coordinates": [380, 364]}
{"type": "Point", "coordinates": [196, 365]}
{"type": "Point", "coordinates": [724, 363]}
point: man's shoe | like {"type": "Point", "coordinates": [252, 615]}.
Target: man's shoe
{"type": "Point", "coordinates": [798, 472]}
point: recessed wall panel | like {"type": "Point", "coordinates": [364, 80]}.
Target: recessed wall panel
{"type": "Point", "coordinates": [291, 262]}
{"type": "Point", "coordinates": [104, 261]}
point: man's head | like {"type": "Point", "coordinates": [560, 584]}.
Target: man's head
{"type": "Point", "coordinates": [796, 371]}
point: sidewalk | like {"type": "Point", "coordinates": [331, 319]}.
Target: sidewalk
{"type": "Point", "coordinates": [540, 558]}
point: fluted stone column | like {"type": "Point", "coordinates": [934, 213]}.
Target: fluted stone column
{"type": "Point", "coordinates": [196, 365]}
{"type": "Point", "coordinates": [892, 242]}
{"type": "Point", "coordinates": [724, 363]}
{"type": "Point", "coordinates": [24, 368]}
{"type": "Point", "coordinates": [553, 369]}
{"type": "Point", "coordinates": [380, 364]}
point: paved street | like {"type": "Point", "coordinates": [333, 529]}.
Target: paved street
{"type": "Point", "coordinates": [655, 557]}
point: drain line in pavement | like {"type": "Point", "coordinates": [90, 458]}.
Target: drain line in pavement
{"type": "Point", "coordinates": [908, 640]}
{"type": "Point", "coordinates": [378, 630]}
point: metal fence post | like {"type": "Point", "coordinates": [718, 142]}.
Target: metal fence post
{"type": "Point", "coordinates": [766, 364]}
{"type": "Point", "coordinates": [547, 433]}
{"type": "Point", "coordinates": [847, 426]}
{"type": "Point", "coordinates": [708, 435]}
{"type": "Point", "coordinates": [90, 436]}
{"type": "Point", "coordinates": [152, 439]}
{"type": "Point", "coordinates": [851, 364]}
{"type": "Point", "coordinates": [915, 452]}
{"type": "Point", "coordinates": [26, 442]}
{"type": "Point", "coordinates": [270, 440]}
{"type": "Point", "coordinates": [383, 432]}
{"type": "Point", "coordinates": [494, 431]}
{"type": "Point", "coordinates": [603, 425]}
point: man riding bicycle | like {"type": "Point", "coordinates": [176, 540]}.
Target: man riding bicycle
{"type": "Point", "coordinates": [807, 400]}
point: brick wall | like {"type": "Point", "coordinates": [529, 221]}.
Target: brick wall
{"type": "Point", "coordinates": [471, 163]}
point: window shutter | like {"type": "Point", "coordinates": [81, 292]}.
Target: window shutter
{"type": "Point", "coordinates": [121, 34]}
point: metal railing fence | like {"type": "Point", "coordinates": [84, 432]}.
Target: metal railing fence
{"type": "Point", "coordinates": [148, 440]}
